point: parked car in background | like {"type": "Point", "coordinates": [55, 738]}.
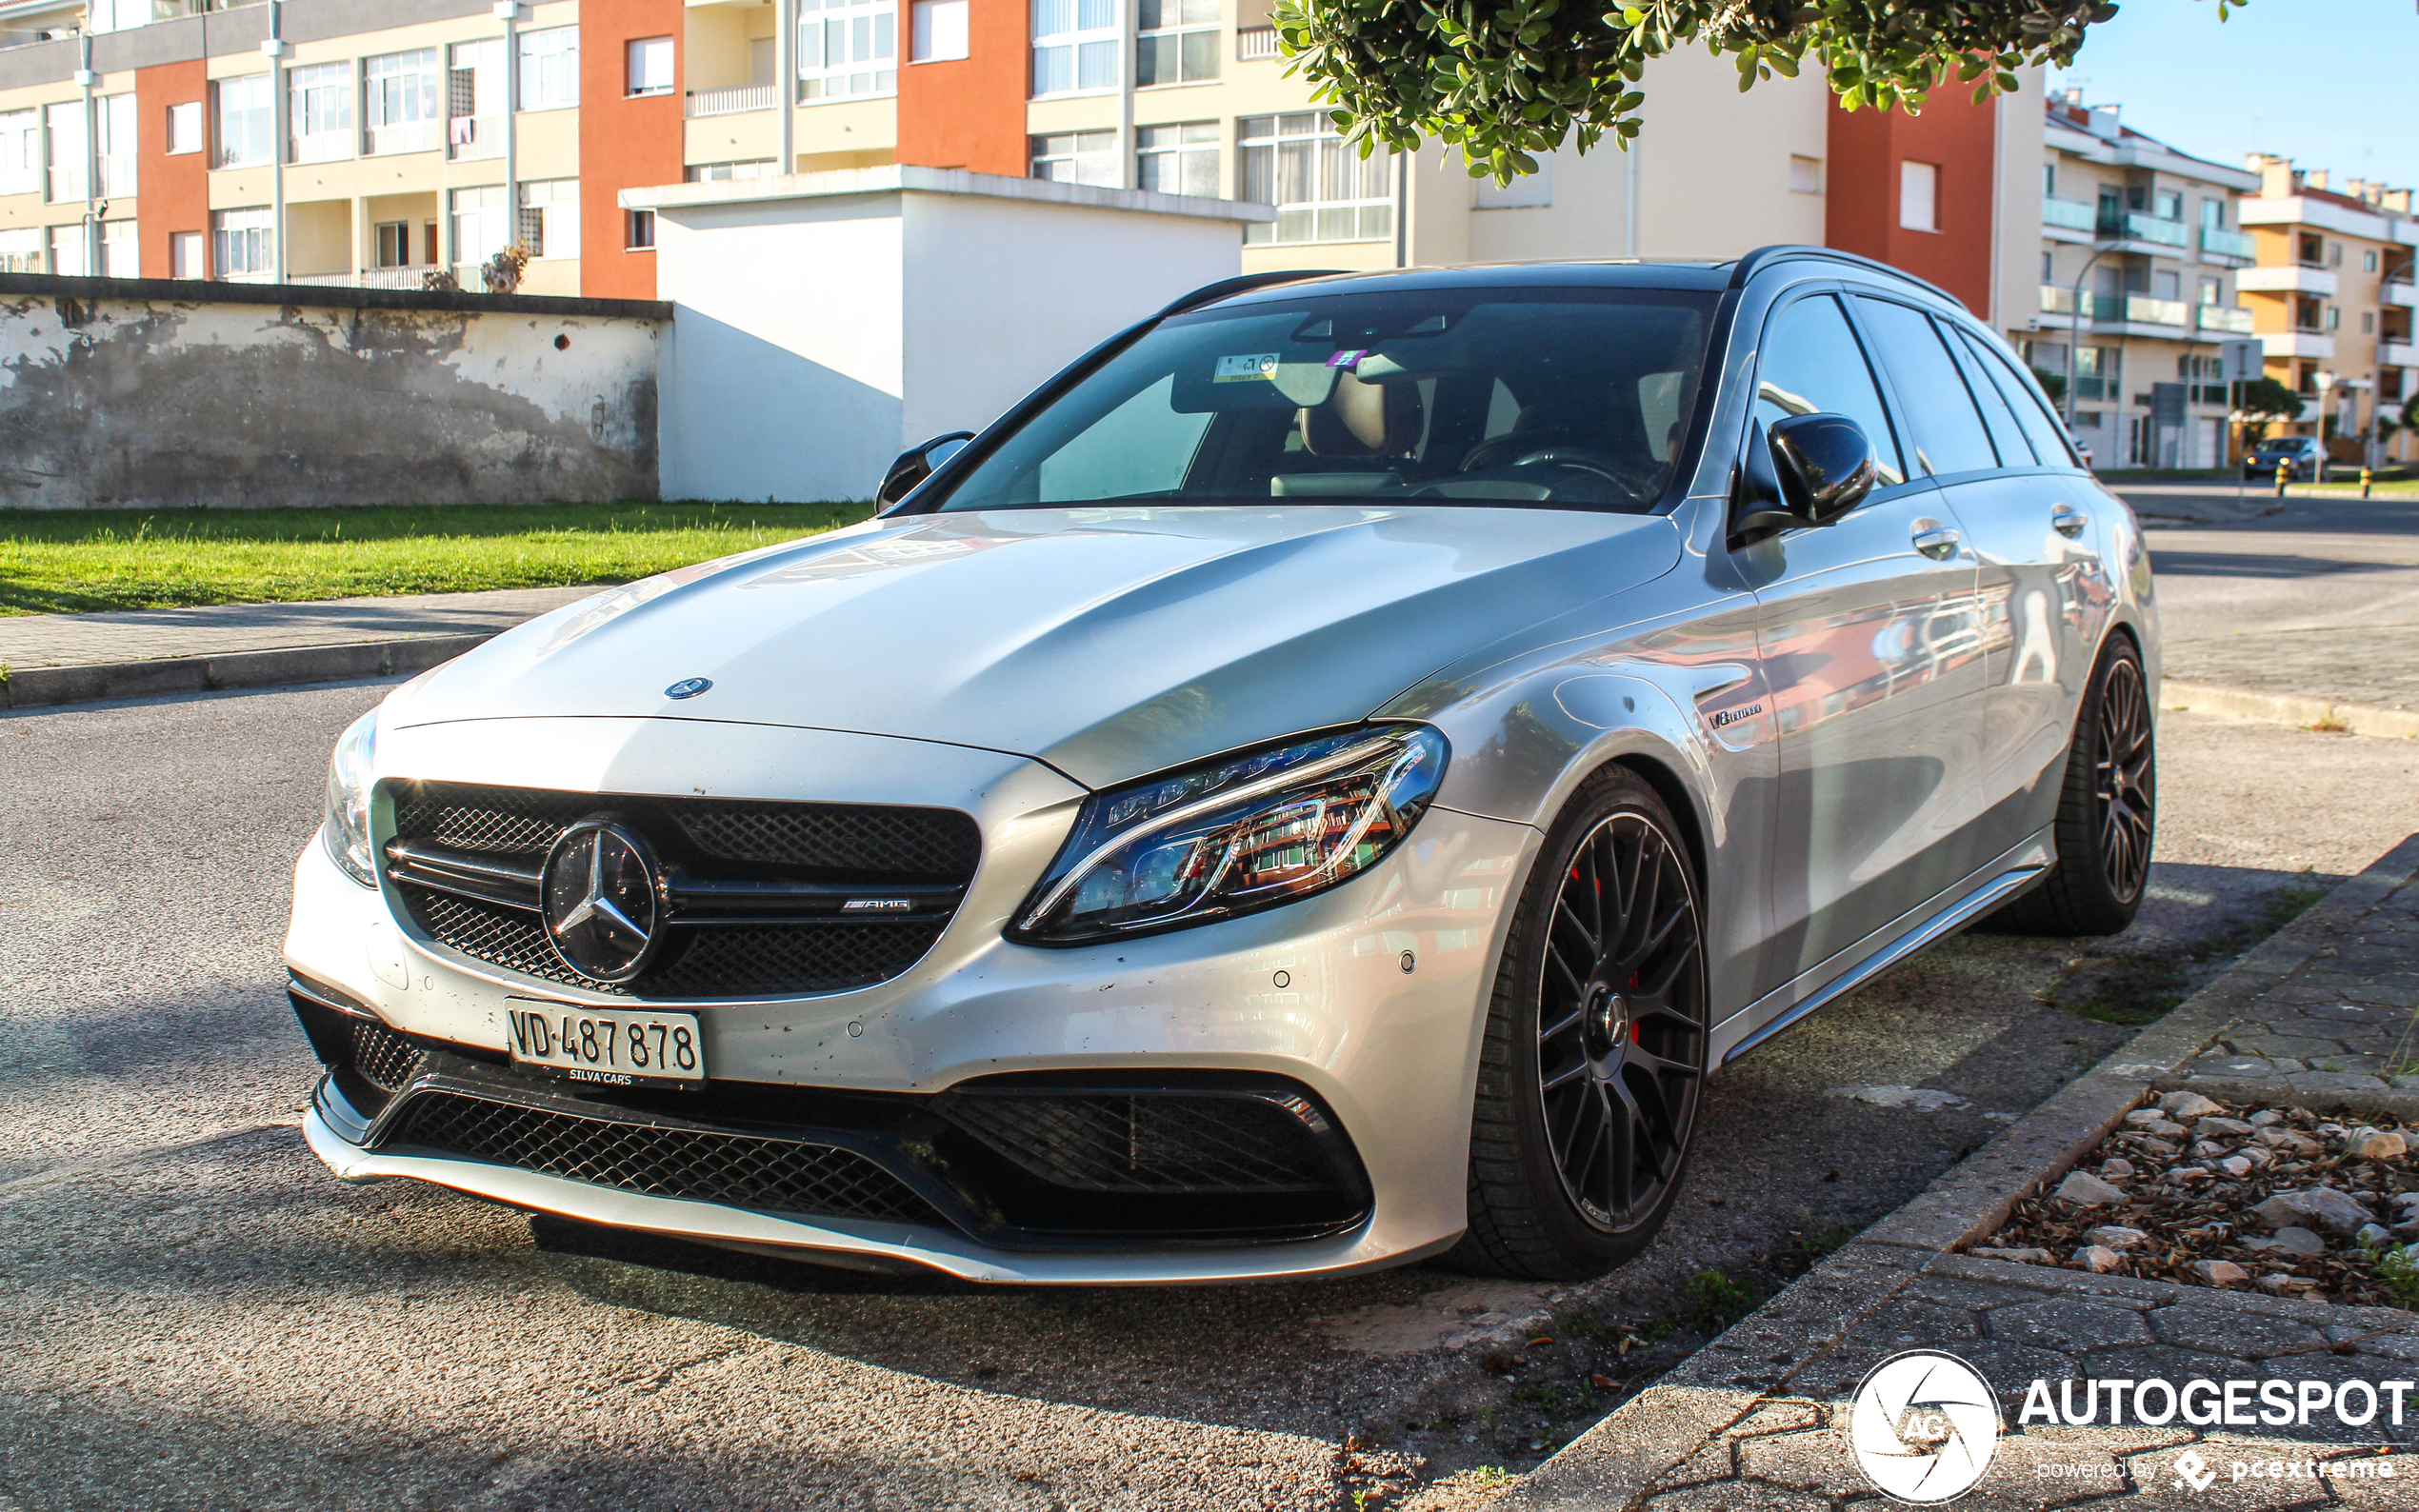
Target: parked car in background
{"type": "Point", "coordinates": [1320, 784]}
{"type": "Point", "coordinates": [2300, 456]}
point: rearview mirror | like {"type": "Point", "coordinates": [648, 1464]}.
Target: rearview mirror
{"type": "Point", "coordinates": [916, 463]}
{"type": "Point", "coordinates": [1806, 470]}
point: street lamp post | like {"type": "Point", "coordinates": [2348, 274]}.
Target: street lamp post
{"type": "Point", "coordinates": [2326, 382]}
{"type": "Point", "coordinates": [2074, 326]}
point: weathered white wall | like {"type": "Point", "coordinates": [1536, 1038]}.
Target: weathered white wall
{"type": "Point", "coordinates": [825, 322]}
{"type": "Point", "coordinates": [124, 400]}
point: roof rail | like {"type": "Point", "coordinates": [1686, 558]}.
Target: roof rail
{"type": "Point", "coordinates": [1762, 257]}
{"type": "Point", "coordinates": [1212, 293]}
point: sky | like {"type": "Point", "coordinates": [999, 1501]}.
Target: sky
{"type": "Point", "coordinates": [2328, 83]}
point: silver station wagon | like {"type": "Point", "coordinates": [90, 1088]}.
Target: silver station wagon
{"type": "Point", "coordinates": [1320, 784]}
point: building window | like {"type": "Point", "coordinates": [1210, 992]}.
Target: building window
{"type": "Point", "coordinates": [121, 254]}
{"type": "Point", "coordinates": [717, 173]}
{"type": "Point", "coordinates": [393, 240]}
{"type": "Point", "coordinates": [247, 123]}
{"type": "Point", "coordinates": [1178, 42]}
{"type": "Point", "coordinates": [2369, 261]}
{"type": "Point", "coordinates": [1323, 189]}
{"type": "Point", "coordinates": [20, 154]}
{"type": "Point", "coordinates": [2049, 269]}
{"type": "Point", "coordinates": [68, 256]}
{"type": "Point", "coordinates": [651, 64]}
{"type": "Point", "coordinates": [1076, 157]}
{"type": "Point", "coordinates": [1074, 46]}
{"type": "Point", "coordinates": [1178, 159]}
{"type": "Point", "coordinates": [474, 100]}
{"type": "Point", "coordinates": [2335, 255]}
{"type": "Point", "coordinates": [938, 30]}
{"type": "Point", "coordinates": [1918, 195]}
{"type": "Point", "coordinates": [2368, 322]}
{"type": "Point", "coordinates": [114, 115]}
{"type": "Point", "coordinates": [2048, 178]}
{"type": "Point", "coordinates": [550, 69]}
{"type": "Point", "coordinates": [479, 227]}
{"type": "Point", "coordinates": [2171, 205]}
{"type": "Point", "coordinates": [638, 230]}
{"type": "Point", "coordinates": [21, 247]}
{"type": "Point", "coordinates": [847, 48]}
{"type": "Point", "coordinates": [399, 101]}
{"type": "Point", "coordinates": [184, 254]}
{"type": "Point", "coordinates": [2213, 215]}
{"type": "Point", "coordinates": [1806, 174]}
{"type": "Point", "coordinates": [319, 109]}
{"type": "Point", "coordinates": [63, 133]}
{"type": "Point", "coordinates": [550, 217]}
{"type": "Point", "coordinates": [2334, 317]}
{"type": "Point", "coordinates": [2213, 291]}
{"type": "Point", "coordinates": [241, 243]}
{"type": "Point", "coordinates": [185, 132]}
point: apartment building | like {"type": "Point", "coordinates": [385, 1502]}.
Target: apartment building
{"type": "Point", "coordinates": [2332, 300]}
{"type": "Point", "coordinates": [376, 141]}
{"type": "Point", "coordinates": [2142, 259]}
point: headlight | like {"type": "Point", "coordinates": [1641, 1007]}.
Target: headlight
{"type": "Point", "coordinates": [347, 832]}
{"type": "Point", "coordinates": [1247, 833]}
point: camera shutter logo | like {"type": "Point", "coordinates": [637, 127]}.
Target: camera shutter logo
{"type": "Point", "coordinates": [1924, 1427]}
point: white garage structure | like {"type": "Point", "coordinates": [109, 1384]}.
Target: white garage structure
{"type": "Point", "coordinates": [825, 322]}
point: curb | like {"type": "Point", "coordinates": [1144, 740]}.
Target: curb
{"type": "Point", "coordinates": [46, 686]}
{"type": "Point", "coordinates": [2289, 709]}
{"type": "Point", "coordinates": [1760, 1358]}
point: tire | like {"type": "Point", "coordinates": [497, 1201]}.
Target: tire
{"type": "Point", "coordinates": [1595, 1042]}
{"type": "Point", "coordinates": [2108, 809]}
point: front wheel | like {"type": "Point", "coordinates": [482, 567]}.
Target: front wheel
{"type": "Point", "coordinates": [1595, 1061]}
{"type": "Point", "coordinates": [2108, 809]}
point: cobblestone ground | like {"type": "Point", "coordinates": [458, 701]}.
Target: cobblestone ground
{"type": "Point", "coordinates": [2377, 665]}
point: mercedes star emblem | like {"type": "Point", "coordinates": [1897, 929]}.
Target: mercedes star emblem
{"type": "Point", "coordinates": [689, 687]}
{"type": "Point", "coordinates": [599, 896]}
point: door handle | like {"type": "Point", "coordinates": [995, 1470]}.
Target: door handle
{"type": "Point", "coordinates": [1939, 544]}
{"type": "Point", "coordinates": [2069, 521]}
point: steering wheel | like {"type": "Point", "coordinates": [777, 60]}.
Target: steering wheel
{"type": "Point", "coordinates": [1612, 469]}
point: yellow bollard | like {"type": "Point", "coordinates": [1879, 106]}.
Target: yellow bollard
{"type": "Point", "coordinates": [2366, 477]}
{"type": "Point", "coordinates": [2284, 470]}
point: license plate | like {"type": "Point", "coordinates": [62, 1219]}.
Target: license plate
{"type": "Point", "coordinates": [619, 1050]}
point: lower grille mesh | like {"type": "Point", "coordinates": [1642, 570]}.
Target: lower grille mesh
{"type": "Point", "coordinates": [1160, 1143]}
{"type": "Point", "coordinates": [381, 1057]}
{"type": "Point", "coordinates": [714, 960]}
{"type": "Point", "coordinates": [745, 1171]}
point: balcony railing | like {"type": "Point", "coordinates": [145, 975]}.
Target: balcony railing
{"type": "Point", "coordinates": [2401, 291]}
{"type": "Point", "coordinates": [2232, 319]}
{"type": "Point", "coordinates": [2091, 388]}
{"type": "Point", "coordinates": [2141, 310]}
{"type": "Point", "coordinates": [2071, 215]}
{"type": "Point", "coordinates": [2400, 353]}
{"type": "Point", "coordinates": [2135, 227]}
{"type": "Point", "coordinates": [2215, 243]}
{"type": "Point", "coordinates": [474, 136]}
{"type": "Point", "coordinates": [1253, 43]}
{"type": "Point", "coordinates": [2057, 299]}
{"type": "Point", "coordinates": [366, 278]}
{"type": "Point", "coordinates": [703, 103]}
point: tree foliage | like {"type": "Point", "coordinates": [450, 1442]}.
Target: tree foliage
{"type": "Point", "coordinates": [1504, 80]}
{"type": "Point", "coordinates": [2268, 399]}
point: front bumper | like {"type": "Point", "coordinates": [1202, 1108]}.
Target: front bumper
{"type": "Point", "coordinates": [1317, 997]}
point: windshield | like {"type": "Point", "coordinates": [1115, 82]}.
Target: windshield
{"type": "Point", "coordinates": [1565, 397]}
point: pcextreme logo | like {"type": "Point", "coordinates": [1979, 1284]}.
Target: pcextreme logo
{"type": "Point", "coordinates": [1923, 1426]}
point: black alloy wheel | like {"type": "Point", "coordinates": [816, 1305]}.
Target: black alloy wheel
{"type": "Point", "coordinates": [1594, 1061]}
{"type": "Point", "coordinates": [2108, 809]}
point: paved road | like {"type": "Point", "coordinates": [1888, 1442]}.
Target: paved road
{"type": "Point", "coordinates": [219, 629]}
{"type": "Point", "coordinates": [2319, 597]}
{"type": "Point", "coordinates": [194, 1315]}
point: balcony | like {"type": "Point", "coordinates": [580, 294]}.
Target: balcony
{"type": "Point", "coordinates": [2400, 291]}
{"type": "Point", "coordinates": [2296, 279]}
{"type": "Point", "coordinates": [1255, 44]}
{"type": "Point", "coordinates": [2391, 353]}
{"type": "Point", "coordinates": [2231, 319]}
{"type": "Point", "coordinates": [367, 278]}
{"type": "Point", "coordinates": [2070, 215]}
{"type": "Point", "coordinates": [2141, 310]}
{"type": "Point", "coordinates": [2135, 227]}
{"type": "Point", "coordinates": [2298, 344]}
{"type": "Point", "coordinates": [2228, 246]}
{"type": "Point", "coordinates": [468, 137]}
{"type": "Point", "coordinates": [2057, 299]}
{"type": "Point", "coordinates": [703, 103]}
{"type": "Point", "coordinates": [2091, 388]}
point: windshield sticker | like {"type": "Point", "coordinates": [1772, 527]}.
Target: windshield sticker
{"type": "Point", "coordinates": [1345, 359]}
{"type": "Point", "coordinates": [1255, 367]}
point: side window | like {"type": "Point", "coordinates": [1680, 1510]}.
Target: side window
{"type": "Point", "coordinates": [1949, 436]}
{"type": "Point", "coordinates": [1812, 362]}
{"type": "Point", "coordinates": [2015, 450]}
{"type": "Point", "coordinates": [2048, 437]}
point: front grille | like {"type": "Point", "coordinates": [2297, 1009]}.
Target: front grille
{"type": "Point", "coordinates": [1156, 1142]}
{"type": "Point", "coordinates": [739, 1169]}
{"type": "Point", "coordinates": [705, 841]}
{"type": "Point", "coordinates": [381, 1057]}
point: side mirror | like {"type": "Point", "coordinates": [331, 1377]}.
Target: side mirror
{"type": "Point", "coordinates": [916, 463]}
{"type": "Point", "coordinates": [1807, 470]}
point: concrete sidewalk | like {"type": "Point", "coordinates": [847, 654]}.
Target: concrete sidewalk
{"type": "Point", "coordinates": [48, 659]}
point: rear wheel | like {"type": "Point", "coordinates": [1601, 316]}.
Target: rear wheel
{"type": "Point", "coordinates": [2108, 809]}
{"type": "Point", "coordinates": [1593, 1066]}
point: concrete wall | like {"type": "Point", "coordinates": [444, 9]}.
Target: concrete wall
{"type": "Point", "coordinates": [120, 393]}
{"type": "Point", "coordinates": [827, 321]}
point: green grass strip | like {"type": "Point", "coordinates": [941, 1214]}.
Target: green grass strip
{"type": "Point", "coordinates": [54, 562]}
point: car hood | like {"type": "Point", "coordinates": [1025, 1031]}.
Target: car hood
{"type": "Point", "coordinates": [1108, 642]}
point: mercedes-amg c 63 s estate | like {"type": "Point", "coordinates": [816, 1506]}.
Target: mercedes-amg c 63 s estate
{"type": "Point", "coordinates": [1320, 784]}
